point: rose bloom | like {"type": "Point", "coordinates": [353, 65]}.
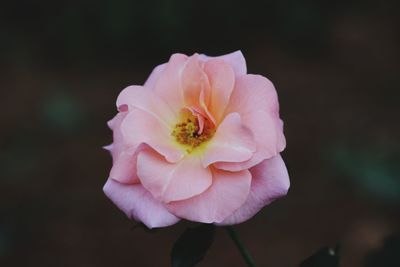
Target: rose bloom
{"type": "Point", "coordinates": [200, 141]}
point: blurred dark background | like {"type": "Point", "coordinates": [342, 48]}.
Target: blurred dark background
{"type": "Point", "coordinates": [335, 65]}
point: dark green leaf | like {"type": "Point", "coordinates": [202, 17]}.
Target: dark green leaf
{"type": "Point", "coordinates": [325, 257]}
{"type": "Point", "coordinates": [192, 245]}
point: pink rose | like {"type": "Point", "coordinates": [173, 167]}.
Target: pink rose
{"type": "Point", "coordinates": [200, 140]}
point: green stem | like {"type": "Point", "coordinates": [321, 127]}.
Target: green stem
{"type": "Point", "coordinates": [242, 248]}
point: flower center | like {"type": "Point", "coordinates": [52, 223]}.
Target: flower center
{"type": "Point", "coordinates": [188, 133]}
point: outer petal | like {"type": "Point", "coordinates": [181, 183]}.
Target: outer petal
{"type": "Point", "coordinates": [154, 76]}
{"type": "Point", "coordinates": [138, 204]}
{"type": "Point", "coordinates": [222, 81]}
{"type": "Point", "coordinates": [251, 93]}
{"type": "Point", "coordinates": [232, 142]}
{"type": "Point", "coordinates": [168, 85]}
{"type": "Point", "coordinates": [270, 181]}
{"type": "Point", "coordinates": [118, 144]}
{"type": "Point", "coordinates": [139, 97]}
{"type": "Point", "coordinates": [228, 192]}
{"type": "Point", "coordinates": [171, 182]}
{"type": "Point", "coordinates": [124, 168]}
{"type": "Point", "coordinates": [140, 127]}
{"type": "Point", "coordinates": [235, 59]}
{"type": "Point", "coordinates": [124, 157]}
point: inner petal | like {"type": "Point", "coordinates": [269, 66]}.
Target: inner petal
{"type": "Point", "coordinates": [194, 80]}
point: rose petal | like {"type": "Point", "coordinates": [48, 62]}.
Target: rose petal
{"type": "Point", "coordinates": [235, 59]}
{"type": "Point", "coordinates": [154, 76]}
{"type": "Point", "coordinates": [140, 127]}
{"type": "Point", "coordinates": [227, 193]}
{"type": "Point", "coordinates": [124, 168]}
{"type": "Point", "coordinates": [145, 99]}
{"type": "Point", "coordinates": [200, 115]}
{"type": "Point", "coordinates": [203, 104]}
{"type": "Point", "coordinates": [255, 99]}
{"type": "Point", "coordinates": [194, 81]}
{"type": "Point", "coordinates": [124, 158]}
{"type": "Point", "coordinates": [268, 136]}
{"type": "Point", "coordinates": [118, 145]}
{"type": "Point", "coordinates": [170, 182]}
{"type": "Point", "coordinates": [232, 142]}
{"type": "Point", "coordinates": [168, 85]}
{"type": "Point", "coordinates": [253, 93]}
{"type": "Point", "coordinates": [138, 204]}
{"type": "Point", "coordinates": [270, 181]}
{"type": "Point", "coordinates": [222, 81]}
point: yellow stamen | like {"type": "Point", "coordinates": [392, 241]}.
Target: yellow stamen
{"type": "Point", "coordinates": [187, 133]}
